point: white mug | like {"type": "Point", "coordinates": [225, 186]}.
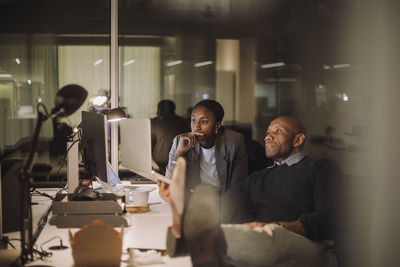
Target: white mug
{"type": "Point", "coordinates": [138, 197]}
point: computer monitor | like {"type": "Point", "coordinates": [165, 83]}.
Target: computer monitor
{"type": "Point", "coordinates": [10, 196]}
{"type": "Point", "coordinates": [136, 149]}
{"type": "Point", "coordinates": [94, 144]}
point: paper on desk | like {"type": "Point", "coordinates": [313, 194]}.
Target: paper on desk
{"type": "Point", "coordinates": [139, 258]}
{"type": "Point", "coordinates": [97, 244]}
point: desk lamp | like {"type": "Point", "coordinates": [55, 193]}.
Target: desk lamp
{"type": "Point", "coordinates": [68, 100]}
{"type": "Point", "coordinates": [116, 114]}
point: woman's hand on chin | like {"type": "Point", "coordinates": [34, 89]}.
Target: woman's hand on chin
{"type": "Point", "coordinates": [187, 142]}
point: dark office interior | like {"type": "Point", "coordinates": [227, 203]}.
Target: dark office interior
{"type": "Point", "coordinates": [330, 63]}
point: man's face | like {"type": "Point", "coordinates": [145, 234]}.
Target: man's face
{"type": "Point", "coordinates": [279, 140]}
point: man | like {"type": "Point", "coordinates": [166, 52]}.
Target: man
{"type": "Point", "coordinates": [164, 128]}
{"type": "Point", "coordinates": [287, 209]}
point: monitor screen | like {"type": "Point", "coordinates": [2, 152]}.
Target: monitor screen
{"type": "Point", "coordinates": [114, 180]}
{"type": "Point", "coordinates": [94, 144]}
{"type": "Point", "coordinates": [136, 136]}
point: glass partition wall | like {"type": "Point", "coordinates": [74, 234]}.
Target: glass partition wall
{"type": "Point", "coordinates": [28, 66]}
{"type": "Point", "coordinates": [44, 46]}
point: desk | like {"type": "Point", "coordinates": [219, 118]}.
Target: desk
{"type": "Point", "coordinates": [146, 230]}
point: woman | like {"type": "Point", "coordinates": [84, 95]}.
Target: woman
{"type": "Point", "coordinates": [214, 155]}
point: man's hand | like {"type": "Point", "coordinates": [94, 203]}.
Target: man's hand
{"type": "Point", "coordinates": [294, 226]}
{"type": "Point", "coordinates": [253, 225]}
{"type": "Point", "coordinates": [186, 142]}
{"type": "Point", "coordinates": [163, 191]}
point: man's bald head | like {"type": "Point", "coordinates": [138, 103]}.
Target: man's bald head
{"type": "Point", "coordinates": [292, 124]}
{"type": "Point", "coordinates": [285, 137]}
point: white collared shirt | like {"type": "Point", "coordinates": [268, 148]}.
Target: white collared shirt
{"type": "Point", "coordinates": [293, 159]}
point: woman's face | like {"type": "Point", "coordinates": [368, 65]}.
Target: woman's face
{"type": "Point", "coordinates": [203, 121]}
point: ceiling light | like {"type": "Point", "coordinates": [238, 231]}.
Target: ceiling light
{"type": "Point", "coordinates": [172, 63]}
{"type": "Point", "coordinates": [273, 65]}
{"type": "Point", "coordinates": [129, 62]}
{"type": "Point", "coordinates": [5, 75]}
{"type": "Point", "coordinates": [285, 80]}
{"type": "Point", "coordinates": [204, 63]}
{"type": "Point", "coordinates": [98, 62]}
{"type": "Point", "coordinates": [341, 66]}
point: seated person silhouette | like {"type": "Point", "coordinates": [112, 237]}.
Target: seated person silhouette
{"type": "Point", "coordinates": [164, 128]}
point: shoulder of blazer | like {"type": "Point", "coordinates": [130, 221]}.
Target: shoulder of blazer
{"type": "Point", "coordinates": [229, 136]}
{"type": "Point", "coordinates": [227, 141]}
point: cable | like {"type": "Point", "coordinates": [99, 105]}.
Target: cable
{"type": "Point", "coordinates": [78, 140]}
{"type": "Point", "coordinates": [5, 239]}
{"type": "Point", "coordinates": [42, 254]}
{"type": "Point", "coordinates": [87, 175]}
{"type": "Point", "coordinates": [65, 187]}
{"type": "Point", "coordinates": [58, 172]}
{"type": "Point", "coordinates": [43, 194]}
{"type": "Point", "coordinates": [62, 189]}
{"type": "Point", "coordinates": [8, 242]}
{"type": "Point", "coordinates": [61, 246]}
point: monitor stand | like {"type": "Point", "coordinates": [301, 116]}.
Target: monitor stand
{"type": "Point", "coordinates": [70, 213]}
{"type": "Point", "coordinates": [72, 166]}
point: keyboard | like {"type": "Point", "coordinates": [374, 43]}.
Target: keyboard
{"type": "Point", "coordinates": [137, 179]}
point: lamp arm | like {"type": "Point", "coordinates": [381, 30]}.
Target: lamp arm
{"type": "Point", "coordinates": [25, 203]}
{"type": "Point", "coordinates": [35, 138]}
{"type": "Point", "coordinates": [34, 142]}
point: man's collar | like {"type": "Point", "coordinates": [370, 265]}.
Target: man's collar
{"type": "Point", "coordinates": [293, 159]}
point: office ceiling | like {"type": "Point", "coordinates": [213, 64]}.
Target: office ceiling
{"type": "Point", "coordinates": [166, 17]}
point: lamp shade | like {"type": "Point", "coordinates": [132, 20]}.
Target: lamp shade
{"type": "Point", "coordinates": [116, 114]}
{"type": "Point", "coordinates": [69, 99]}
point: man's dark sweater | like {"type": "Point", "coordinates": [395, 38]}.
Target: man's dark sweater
{"type": "Point", "coordinates": [305, 191]}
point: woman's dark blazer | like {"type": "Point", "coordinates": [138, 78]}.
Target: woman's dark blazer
{"type": "Point", "coordinates": [230, 155]}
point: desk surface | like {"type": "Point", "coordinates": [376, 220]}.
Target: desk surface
{"type": "Point", "coordinates": [145, 231]}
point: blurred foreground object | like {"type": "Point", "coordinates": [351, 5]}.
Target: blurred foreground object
{"type": "Point", "coordinates": [97, 244]}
